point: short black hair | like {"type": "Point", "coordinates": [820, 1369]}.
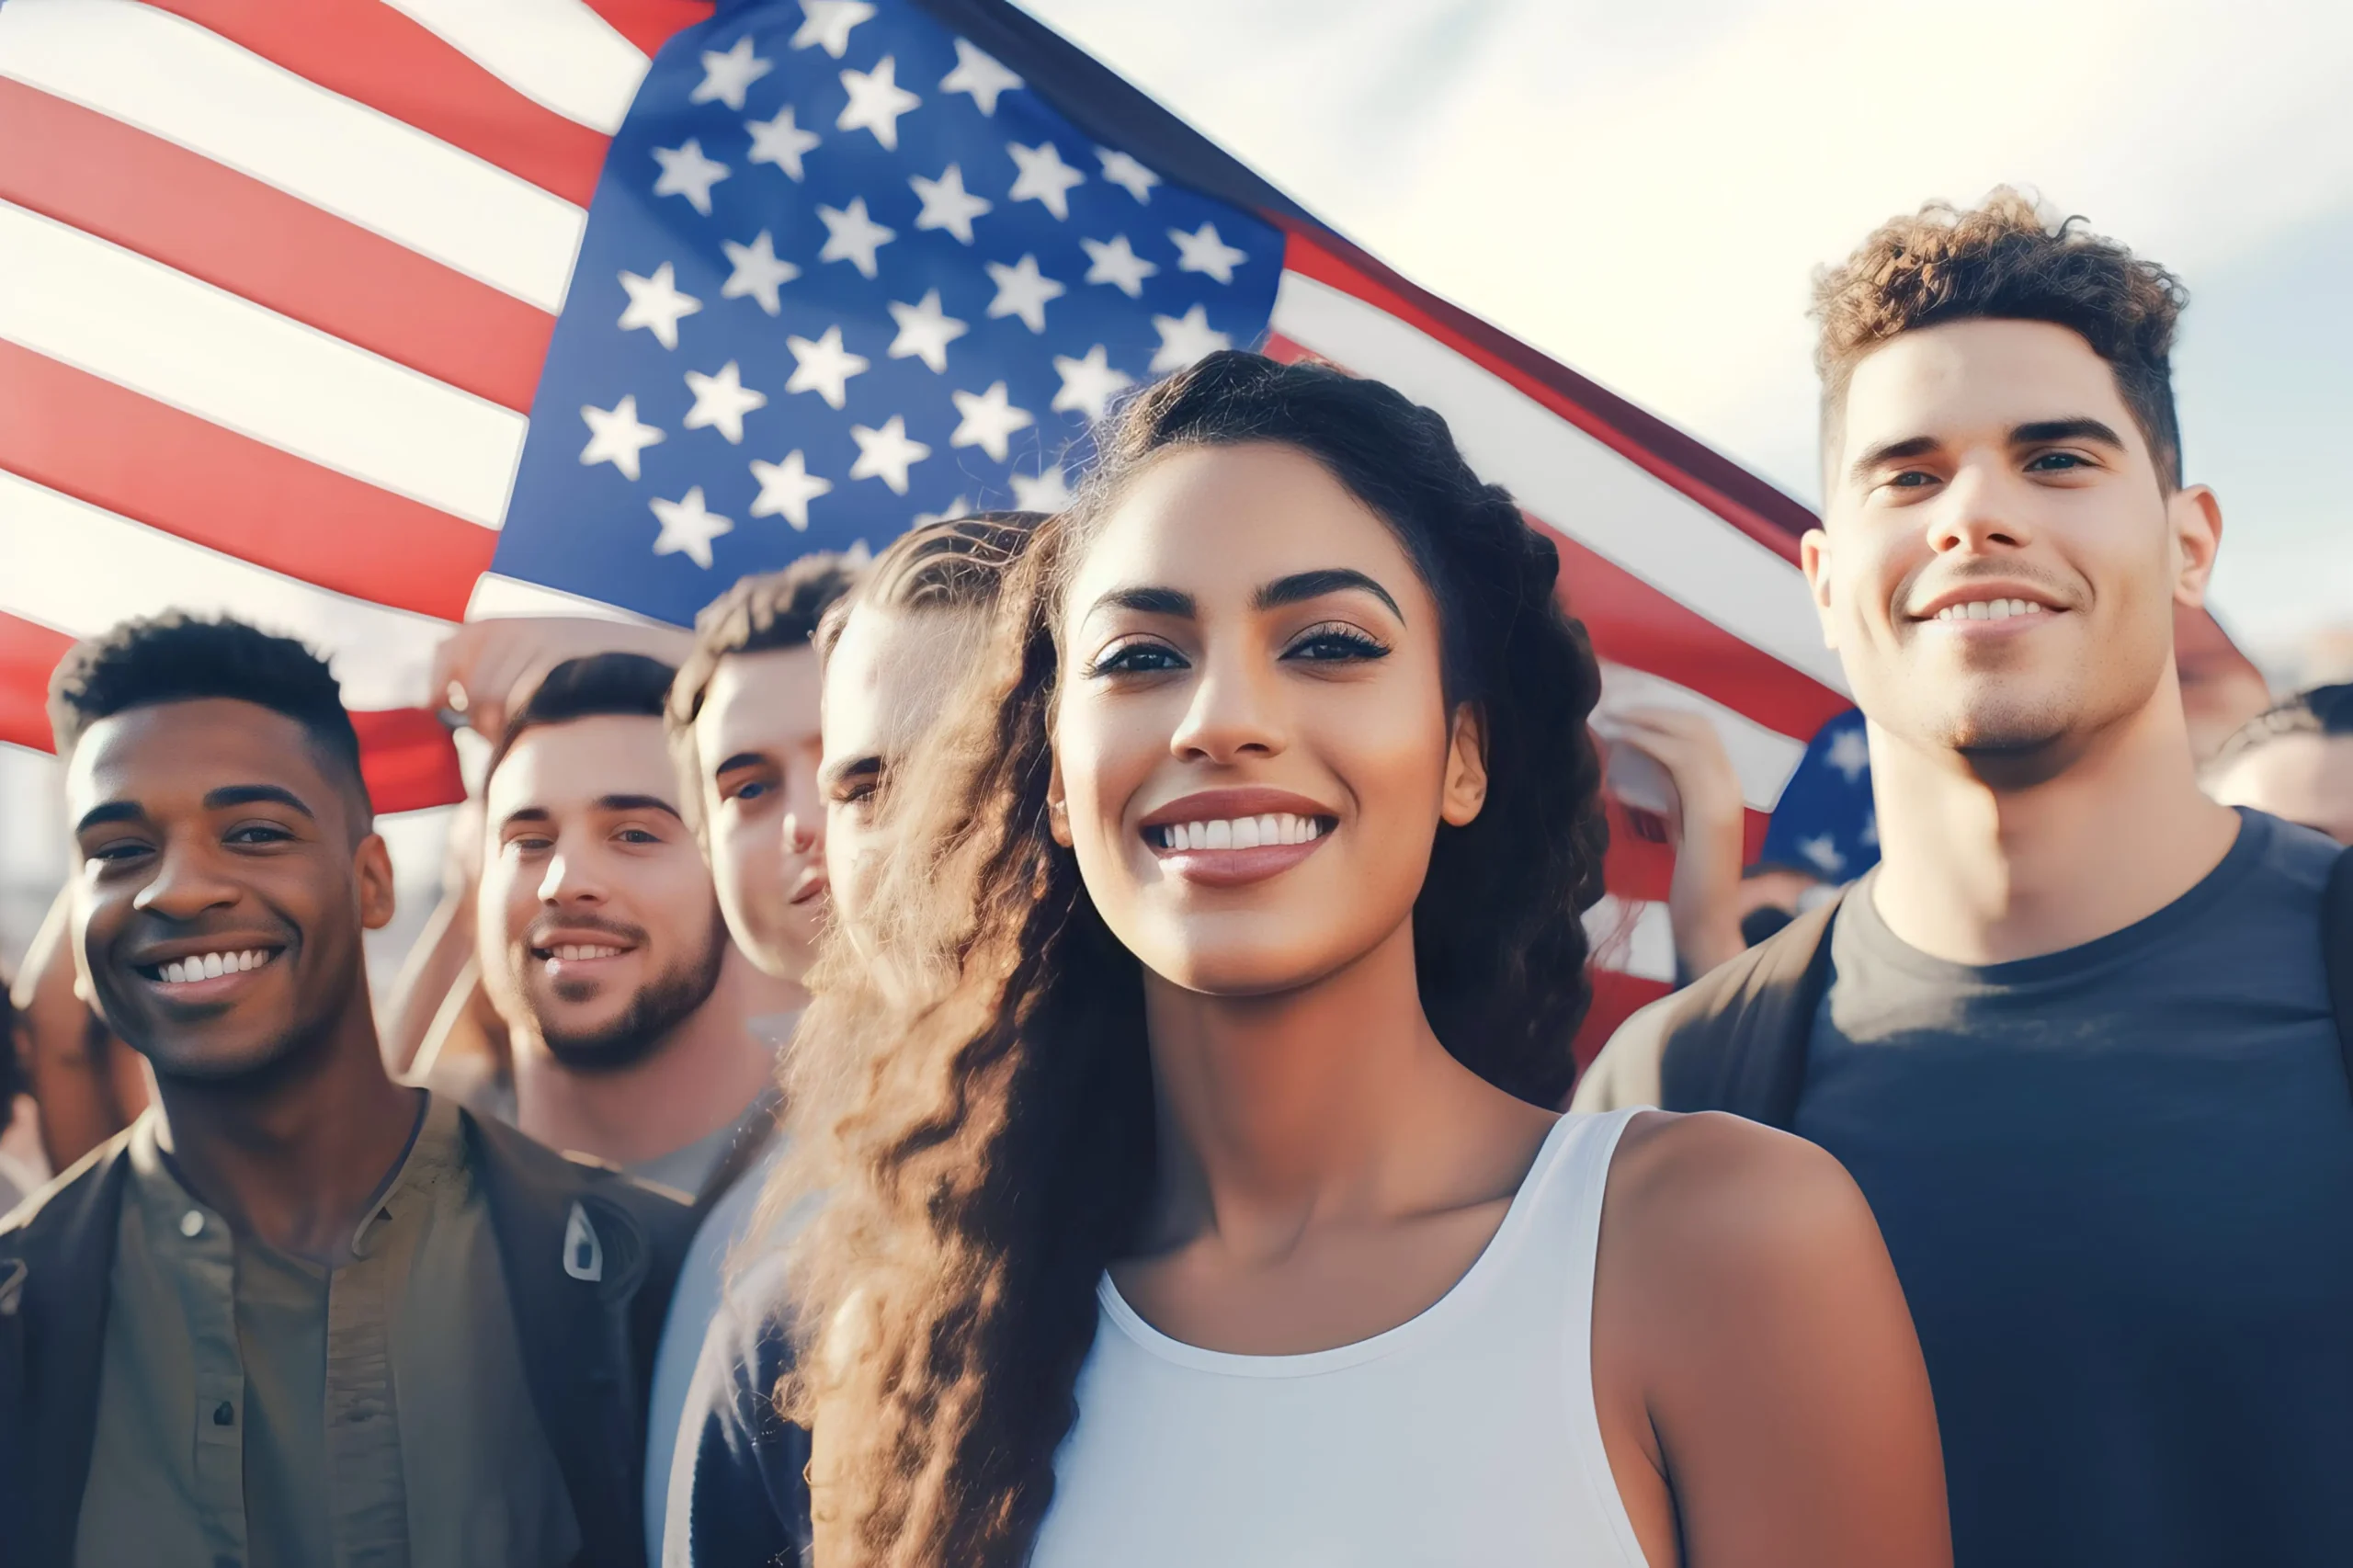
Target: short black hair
{"type": "Point", "coordinates": [177, 657]}
{"type": "Point", "coordinates": [2320, 710]}
{"type": "Point", "coordinates": [598, 686]}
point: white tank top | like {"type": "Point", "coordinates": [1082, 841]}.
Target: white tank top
{"type": "Point", "coordinates": [1465, 1436]}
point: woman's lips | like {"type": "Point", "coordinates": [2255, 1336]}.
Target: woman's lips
{"type": "Point", "coordinates": [1228, 867]}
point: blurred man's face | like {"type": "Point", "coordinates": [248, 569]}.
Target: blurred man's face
{"type": "Point", "coordinates": [222, 885]}
{"type": "Point", "coordinates": [886, 683]}
{"type": "Point", "coordinates": [599, 933]}
{"type": "Point", "coordinates": [757, 742]}
{"type": "Point", "coordinates": [1998, 563]}
{"type": "Point", "coordinates": [2306, 779]}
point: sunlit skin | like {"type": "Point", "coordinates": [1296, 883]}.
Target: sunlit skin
{"type": "Point", "coordinates": [603, 949]}
{"type": "Point", "coordinates": [1243, 636]}
{"type": "Point", "coordinates": [2305, 779]}
{"type": "Point", "coordinates": [887, 681]}
{"type": "Point", "coordinates": [217, 826]}
{"type": "Point", "coordinates": [758, 746]}
{"type": "Point", "coordinates": [1997, 460]}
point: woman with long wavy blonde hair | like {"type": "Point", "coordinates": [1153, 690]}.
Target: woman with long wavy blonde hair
{"type": "Point", "coordinates": [1187, 1186]}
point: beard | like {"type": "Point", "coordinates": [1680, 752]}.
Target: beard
{"type": "Point", "coordinates": [657, 1007]}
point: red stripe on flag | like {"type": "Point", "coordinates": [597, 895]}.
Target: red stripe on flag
{"type": "Point", "coordinates": [1759, 511]}
{"type": "Point", "coordinates": [88, 437]}
{"type": "Point", "coordinates": [648, 23]}
{"type": "Point", "coordinates": [1641, 865]}
{"type": "Point", "coordinates": [27, 653]}
{"type": "Point", "coordinates": [408, 759]}
{"type": "Point", "coordinates": [1615, 999]}
{"type": "Point", "coordinates": [369, 53]}
{"type": "Point", "coordinates": [158, 199]}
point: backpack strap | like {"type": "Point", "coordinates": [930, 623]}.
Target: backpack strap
{"type": "Point", "coordinates": [2337, 950]}
{"type": "Point", "coordinates": [1737, 1041]}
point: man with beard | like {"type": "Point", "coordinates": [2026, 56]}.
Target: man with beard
{"type": "Point", "coordinates": [296, 1313]}
{"type": "Point", "coordinates": [602, 944]}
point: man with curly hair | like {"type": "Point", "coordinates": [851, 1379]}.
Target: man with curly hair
{"type": "Point", "coordinates": [2074, 1037]}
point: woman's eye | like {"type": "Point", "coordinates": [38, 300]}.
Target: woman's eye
{"type": "Point", "coordinates": [1326, 644]}
{"type": "Point", "coordinates": [1137, 658]}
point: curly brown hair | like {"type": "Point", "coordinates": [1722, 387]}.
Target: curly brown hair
{"type": "Point", "coordinates": [2005, 260]}
{"type": "Point", "coordinates": [972, 1104]}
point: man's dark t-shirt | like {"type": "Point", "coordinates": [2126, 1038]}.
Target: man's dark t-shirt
{"type": "Point", "coordinates": [2118, 1185]}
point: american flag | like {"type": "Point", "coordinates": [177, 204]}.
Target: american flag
{"type": "Point", "coordinates": [359, 317]}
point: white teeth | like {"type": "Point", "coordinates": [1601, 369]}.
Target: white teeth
{"type": "Point", "coordinates": [1238, 833]}
{"type": "Point", "coordinates": [1270, 829]}
{"type": "Point", "coordinates": [1989, 609]}
{"type": "Point", "coordinates": [211, 966]}
{"type": "Point", "coordinates": [1246, 833]}
{"type": "Point", "coordinates": [1221, 835]}
{"type": "Point", "coordinates": [576, 952]}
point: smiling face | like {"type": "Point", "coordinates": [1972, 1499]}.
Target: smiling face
{"type": "Point", "coordinates": [1252, 750]}
{"type": "Point", "coordinates": [223, 886]}
{"type": "Point", "coordinates": [1999, 563]}
{"type": "Point", "coordinates": [758, 740]}
{"type": "Point", "coordinates": [599, 930]}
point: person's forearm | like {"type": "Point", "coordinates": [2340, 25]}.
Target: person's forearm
{"type": "Point", "coordinates": [432, 968]}
{"type": "Point", "coordinates": [1702, 898]}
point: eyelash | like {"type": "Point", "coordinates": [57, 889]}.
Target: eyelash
{"type": "Point", "coordinates": [1117, 660]}
{"type": "Point", "coordinates": [1351, 643]}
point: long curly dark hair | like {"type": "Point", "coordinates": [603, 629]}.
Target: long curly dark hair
{"type": "Point", "coordinates": [972, 1099]}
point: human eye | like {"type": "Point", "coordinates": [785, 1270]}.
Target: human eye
{"type": "Point", "coordinates": [1137, 656]}
{"type": "Point", "coordinates": [2057, 462]}
{"type": "Point", "coordinates": [251, 833]}
{"type": "Point", "coordinates": [749, 789]}
{"type": "Point", "coordinates": [1910, 478]}
{"type": "Point", "coordinates": [1336, 642]}
{"type": "Point", "coordinates": [640, 835]}
{"type": "Point", "coordinates": [116, 851]}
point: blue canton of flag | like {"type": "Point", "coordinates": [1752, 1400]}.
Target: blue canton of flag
{"type": "Point", "coordinates": [1823, 821]}
{"type": "Point", "coordinates": [844, 271]}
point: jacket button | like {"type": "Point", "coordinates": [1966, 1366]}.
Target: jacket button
{"type": "Point", "coordinates": [224, 1415]}
{"type": "Point", "coordinates": [192, 1224]}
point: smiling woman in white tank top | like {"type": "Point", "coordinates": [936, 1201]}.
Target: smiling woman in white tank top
{"type": "Point", "coordinates": [1187, 1186]}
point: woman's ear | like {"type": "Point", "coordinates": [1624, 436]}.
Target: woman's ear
{"type": "Point", "coordinates": [1466, 767]}
{"type": "Point", "coordinates": [1057, 807]}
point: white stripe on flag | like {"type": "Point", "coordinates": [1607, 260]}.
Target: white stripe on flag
{"type": "Point", "coordinates": [558, 53]}
{"type": "Point", "coordinates": [175, 80]}
{"type": "Point", "coordinates": [500, 597]}
{"type": "Point", "coordinates": [1570, 480]}
{"type": "Point", "coordinates": [157, 331]}
{"type": "Point", "coordinates": [1763, 757]}
{"type": "Point", "coordinates": [80, 568]}
{"type": "Point", "coordinates": [1636, 938]}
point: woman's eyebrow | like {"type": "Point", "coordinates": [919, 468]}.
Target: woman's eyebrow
{"type": "Point", "coordinates": [1148, 601]}
{"type": "Point", "coordinates": [1303, 586]}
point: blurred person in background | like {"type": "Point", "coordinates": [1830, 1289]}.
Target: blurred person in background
{"type": "Point", "coordinates": [743, 727]}
{"type": "Point", "coordinates": [88, 1085]}
{"type": "Point", "coordinates": [2294, 761]}
{"type": "Point", "coordinates": [296, 1313]}
{"type": "Point", "coordinates": [22, 1167]}
{"type": "Point", "coordinates": [2074, 1035]}
{"type": "Point", "coordinates": [894, 650]}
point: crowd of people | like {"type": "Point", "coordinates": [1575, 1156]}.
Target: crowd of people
{"type": "Point", "coordinates": [1052, 1044]}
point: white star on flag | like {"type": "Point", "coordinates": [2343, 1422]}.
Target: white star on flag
{"type": "Point", "coordinates": [980, 75]}
{"type": "Point", "coordinates": [1117, 263]}
{"type": "Point", "coordinates": [948, 205]}
{"type": "Point", "coordinates": [876, 102]}
{"type": "Point", "coordinates": [824, 366]}
{"type": "Point", "coordinates": [1049, 492]}
{"type": "Point", "coordinates": [959, 507]}
{"type": "Point", "coordinates": [1044, 176]}
{"type": "Point", "coordinates": [925, 331]}
{"type": "Point", "coordinates": [780, 141]}
{"type": "Point", "coordinates": [989, 418]}
{"type": "Point", "coordinates": [1184, 341]}
{"type": "Point", "coordinates": [686, 172]}
{"type": "Point", "coordinates": [721, 400]}
{"type": "Point", "coordinates": [1123, 171]}
{"type": "Point", "coordinates": [786, 490]}
{"type": "Point", "coordinates": [1090, 383]}
{"type": "Point", "coordinates": [827, 23]}
{"type": "Point", "coordinates": [1823, 850]}
{"type": "Point", "coordinates": [689, 527]}
{"type": "Point", "coordinates": [1020, 291]}
{"type": "Point", "coordinates": [724, 76]}
{"type": "Point", "coordinates": [615, 436]}
{"type": "Point", "coordinates": [852, 236]}
{"type": "Point", "coordinates": [655, 304]}
{"type": "Point", "coordinates": [1850, 754]}
{"type": "Point", "coordinates": [758, 272]}
{"type": "Point", "coordinates": [886, 454]}
{"type": "Point", "coordinates": [1202, 251]}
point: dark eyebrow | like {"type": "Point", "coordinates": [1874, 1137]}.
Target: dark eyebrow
{"type": "Point", "coordinates": [831, 775]}
{"type": "Point", "coordinates": [1301, 585]}
{"type": "Point", "coordinates": [1148, 601]}
{"type": "Point", "coordinates": [741, 759]}
{"type": "Point", "coordinates": [2077, 429]}
{"type": "Point", "coordinates": [1891, 451]}
{"type": "Point", "coordinates": [229, 795]}
{"type": "Point", "coordinates": [636, 803]}
{"type": "Point", "coordinates": [524, 813]}
{"type": "Point", "coordinates": [112, 811]}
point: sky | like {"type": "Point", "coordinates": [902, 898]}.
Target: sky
{"type": "Point", "coordinates": [1643, 191]}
